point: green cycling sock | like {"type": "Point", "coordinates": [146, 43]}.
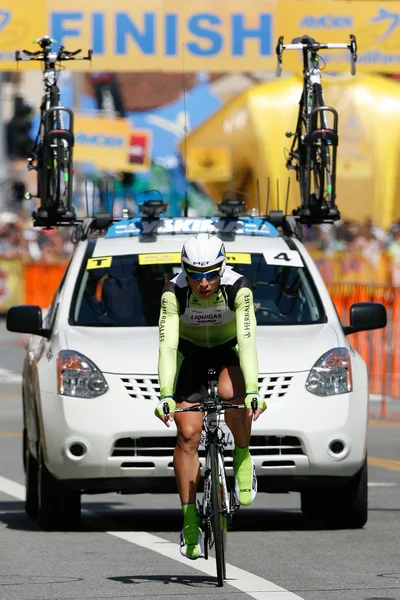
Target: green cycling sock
{"type": "Point", "coordinates": [190, 516]}
{"type": "Point", "coordinates": [240, 454]}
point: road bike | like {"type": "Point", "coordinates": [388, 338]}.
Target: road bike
{"type": "Point", "coordinates": [219, 502]}
{"type": "Point", "coordinates": [52, 154]}
{"type": "Point", "coordinates": [314, 148]}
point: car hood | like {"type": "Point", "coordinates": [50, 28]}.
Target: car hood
{"type": "Point", "coordinates": [293, 348]}
{"type": "Point", "coordinates": [117, 350]}
{"type": "Point", "coordinates": [135, 350]}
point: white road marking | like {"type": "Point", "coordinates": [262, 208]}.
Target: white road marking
{"type": "Point", "coordinates": [252, 585]}
{"type": "Point", "coordinates": [378, 484]}
{"type": "Point", "coordinates": [7, 376]}
{"type": "Point", "coordinates": [11, 488]}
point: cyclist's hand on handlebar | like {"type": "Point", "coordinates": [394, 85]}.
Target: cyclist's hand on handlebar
{"type": "Point", "coordinates": [165, 410]}
{"type": "Point", "coordinates": [255, 405]}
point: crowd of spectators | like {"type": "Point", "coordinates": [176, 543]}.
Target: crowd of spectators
{"type": "Point", "coordinates": [362, 238]}
{"type": "Point", "coordinates": [20, 241]}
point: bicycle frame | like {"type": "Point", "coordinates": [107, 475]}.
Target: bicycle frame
{"type": "Point", "coordinates": [313, 152]}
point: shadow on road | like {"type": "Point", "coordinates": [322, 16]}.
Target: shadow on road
{"type": "Point", "coordinates": [196, 581]}
{"type": "Point", "coordinates": [12, 514]}
{"type": "Point", "coordinates": [170, 520]}
{"type": "Point", "coordinates": [111, 516]}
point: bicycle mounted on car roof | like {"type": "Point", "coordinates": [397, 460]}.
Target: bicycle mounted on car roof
{"type": "Point", "coordinates": [314, 148]}
{"type": "Point", "coordinates": [52, 154]}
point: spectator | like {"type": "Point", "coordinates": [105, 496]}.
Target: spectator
{"type": "Point", "coordinates": [366, 244]}
{"type": "Point", "coordinates": [377, 232]}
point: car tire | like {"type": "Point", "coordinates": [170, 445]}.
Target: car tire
{"type": "Point", "coordinates": [347, 506]}
{"type": "Point", "coordinates": [24, 446]}
{"type": "Point", "coordinates": [312, 504]}
{"type": "Point", "coordinates": [31, 485]}
{"type": "Point", "coordinates": [59, 508]}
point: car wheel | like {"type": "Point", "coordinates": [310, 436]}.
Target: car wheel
{"type": "Point", "coordinates": [312, 503]}
{"type": "Point", "coordinates": [24, 446]}
{"type": "Point", "coordinates": [59, 508]}
{"type": "Point", "coordinates": [31, 485]}
{"type": "Point", "coordinates": [347, 506]}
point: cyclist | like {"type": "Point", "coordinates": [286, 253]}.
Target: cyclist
{"type": "Point", "coordinates": [207, 320]}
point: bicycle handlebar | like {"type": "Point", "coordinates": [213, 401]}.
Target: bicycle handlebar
{"type": "Point", "coordinates": [203, 407]}
{"type": "Point", "coordinates": [312, 46]}
{"type": "Point", "coordinates": [316, 46]}
{"type": "Point", "coordinates": [61, 55]}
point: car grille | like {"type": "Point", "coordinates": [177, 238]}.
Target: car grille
{"type": "Point", "coordinates": [144, 387]}
{"type": "Point", "coordinates": [147, 387]}
{"type": "Point", "coordinates": [274, 386]}
{"type": "Point", "coordinates": [261, 445]}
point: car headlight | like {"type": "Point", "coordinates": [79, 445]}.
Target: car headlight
{"type": "Point", "coordinates": [331, 374]}
{"type": "Point", "coordinates": [78, 376]}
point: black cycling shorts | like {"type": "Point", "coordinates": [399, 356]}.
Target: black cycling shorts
{"type": "Point", "coordinates": [191, 384]}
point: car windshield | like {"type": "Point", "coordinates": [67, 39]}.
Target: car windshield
{"type": "Point", "coordinates": [125, 291]}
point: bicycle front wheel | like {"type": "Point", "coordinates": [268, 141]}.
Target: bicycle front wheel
{"type": "Point", "coordinates": [218, 520]}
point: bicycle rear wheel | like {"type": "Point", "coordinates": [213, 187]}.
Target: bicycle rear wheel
{"type": "Point", "coordinates": [218, 520]}
{"type": "Point", "coordinates": [59, 142]}
{"type": "Point", "coordinates": [322, 153]}
{"type": "Point", "coordinates": [318, 162]}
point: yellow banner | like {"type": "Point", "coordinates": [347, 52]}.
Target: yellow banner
{"type": "Point", "coordinates": [376, 26]}
{"type": "Point", "coordinates": [20, 24]}
{"type": "Point", "coordinates": [111, 144]}
{"type": "Point", "coordinates": [102, 141]}
{"type": "Point", "coordinates": [202, 35]}
{"type": "Point", "coordinates": [209, 163]}
{"type": "Point", "coordinates": [11, 284]}
{"type": "Point", "coordinates": [159, 35]}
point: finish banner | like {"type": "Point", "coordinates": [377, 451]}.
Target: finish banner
{"type": "Point", "coordinates": [202, 35]}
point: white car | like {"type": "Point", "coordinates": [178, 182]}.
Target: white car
{"type": "Point", "coordinates": [90, 380]}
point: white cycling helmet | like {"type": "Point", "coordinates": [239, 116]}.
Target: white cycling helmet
{"type": "Point", "coordinates": [203, 250]}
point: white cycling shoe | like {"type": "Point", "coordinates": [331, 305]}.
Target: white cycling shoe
{"type": "Point", "coordinates": [192, 546]}
{"type": "Point", "coordinates": [245, 481]}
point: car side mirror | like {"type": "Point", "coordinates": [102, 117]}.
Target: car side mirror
{"type": "Point", "coordinates": [365, 316]}
{"type": "Point", "coordinates": [26, 319]}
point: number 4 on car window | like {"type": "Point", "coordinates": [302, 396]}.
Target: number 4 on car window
{"type": "Point", "coordinates": [291, 258]}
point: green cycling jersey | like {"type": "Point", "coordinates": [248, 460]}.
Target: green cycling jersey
{"type": "Point", "coordinates": [226, 317]}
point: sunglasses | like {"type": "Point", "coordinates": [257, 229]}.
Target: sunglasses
{"type": "Point", "coordinates": [198, 276]}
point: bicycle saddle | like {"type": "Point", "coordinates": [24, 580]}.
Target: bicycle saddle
{"type": "Point", "coordinates": [305, 39]}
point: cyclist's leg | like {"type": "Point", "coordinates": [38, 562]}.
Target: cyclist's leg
{"type": "Point", "coordinates": [186, 457]}
{"type": "Point", "coordinates": [231, 385]}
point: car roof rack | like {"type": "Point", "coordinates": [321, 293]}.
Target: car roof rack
{"type": "Point", "coordinates": [231, 220]}
{"type": "Point", "coordinates": [227, 225]}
